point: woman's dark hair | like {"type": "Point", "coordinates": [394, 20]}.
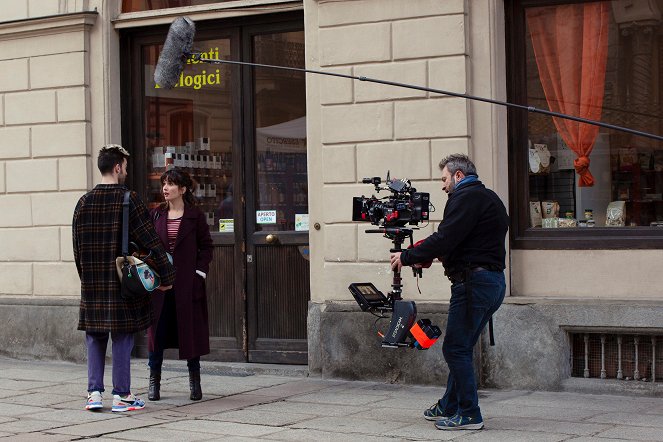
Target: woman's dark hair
{"type": "Point", "coordinates": [181, 179]}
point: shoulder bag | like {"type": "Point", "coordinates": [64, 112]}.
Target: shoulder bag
{"type": "Point", "coordinates": [137, 278]}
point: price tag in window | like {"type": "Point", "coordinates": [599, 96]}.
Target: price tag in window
{"type": "Point", "coordinates": [266, 216]}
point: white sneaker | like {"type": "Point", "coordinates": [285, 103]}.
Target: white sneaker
{"type": "Point", "coordinates": [94, 401]}
{"type": "Point", "coordinates": [127, 403]}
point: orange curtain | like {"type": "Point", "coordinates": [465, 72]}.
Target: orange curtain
{"type": "Point", "coordinates": [571, 49]}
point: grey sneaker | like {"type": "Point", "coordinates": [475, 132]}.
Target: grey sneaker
{"type": "Point", "coordinates": [457, 422]}
{"type": "Point", "coordinates": [94, 401]}
{"type": "Point", "coordinates": [434, 413]}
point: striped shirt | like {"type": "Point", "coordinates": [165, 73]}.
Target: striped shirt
{"type": "Point", "coordinates": [173, 227]}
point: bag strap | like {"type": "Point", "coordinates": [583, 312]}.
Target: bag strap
{"type": "Point", "coordinates": [125, 224]}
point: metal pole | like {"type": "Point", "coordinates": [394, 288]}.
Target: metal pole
{"type": "Point", "coordinates": [533, 109]}
{"type": "Point", "coordinates": [636, 372]}
{"type": "Point", "coordinates": [603, 372]}
{"type": "Point", "coordinates": [586, 371]}
{"type": "Point", "coordinates": [653, 359]}
{"type": "Point", "coordinates": [620, 373]}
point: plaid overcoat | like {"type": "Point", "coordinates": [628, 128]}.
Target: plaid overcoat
{"type": "Point", "coordinates": [97, 238]}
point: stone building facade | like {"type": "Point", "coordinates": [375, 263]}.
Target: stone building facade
{"type": "Point", "coordinates": [61, 99]}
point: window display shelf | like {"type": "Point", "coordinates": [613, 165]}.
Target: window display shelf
{"type": "Point", "coordinates": [212, 182]}
{"type": "Point", "coordinates": [284, 172]}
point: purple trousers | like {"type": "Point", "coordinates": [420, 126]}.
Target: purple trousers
{"type": "Point", "coordinates": [96, 344]}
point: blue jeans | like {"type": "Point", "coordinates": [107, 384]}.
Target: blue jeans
{"type": "Point", "coordinates": [463, 330]}
{"type": "Point", "coordinates": [96, 344]}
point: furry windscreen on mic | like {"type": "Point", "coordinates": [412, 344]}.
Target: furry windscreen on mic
{"type": "Point", "coordinates": [176, 49]}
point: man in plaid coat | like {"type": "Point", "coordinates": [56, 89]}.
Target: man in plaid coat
{"type": "Point", "coordinates": [97, 238]}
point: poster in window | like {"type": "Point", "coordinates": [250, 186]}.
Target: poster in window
{"type": "Point", "coordinates": [301, 222]}
{"type": "Point", "coordinates": [565, 156]}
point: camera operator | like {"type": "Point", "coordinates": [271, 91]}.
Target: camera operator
{"type": "Point", "coordinates": [470, 243]}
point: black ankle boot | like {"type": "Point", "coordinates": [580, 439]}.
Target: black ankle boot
{"type": "Point", "coordinates": [153, 392]}
{"type": "Point", "coordinates": [194, 385]}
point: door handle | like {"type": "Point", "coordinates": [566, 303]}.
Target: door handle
{"type": "Point", "coordinates": [272, 239]}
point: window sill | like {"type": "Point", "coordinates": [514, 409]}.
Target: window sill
{"type": "Point", "coordinates": [589, 238]}
{"type": "Point", "coordinates": [217, 10]}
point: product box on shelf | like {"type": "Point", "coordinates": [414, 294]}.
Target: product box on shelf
{"type": "Point", "coordinates": [158, 157]}
{"type": "Point", "coordinates": [202, 143]}
{"type": "Point", "coordinates": [169, 161]}
{"type": "Point", "coordinates": [177, 160]}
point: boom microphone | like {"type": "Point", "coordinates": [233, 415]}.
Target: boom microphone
{"type": "Point", "coordinates": [176, 50]}
{"type": "Point", "coordinates": [179, 42]}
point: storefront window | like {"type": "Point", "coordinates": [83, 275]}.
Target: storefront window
{"type": "Point", "coordinates": [148, 5]}
{"type": "Point", "coordinates": [190, 127]}
{"type": "Point", "coordinates": [600, 61]}
{"type": "Point", "coordinates": [280, 121]}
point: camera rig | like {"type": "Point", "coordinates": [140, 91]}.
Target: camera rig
{"type": "Point", "coordinates": [404, 206]}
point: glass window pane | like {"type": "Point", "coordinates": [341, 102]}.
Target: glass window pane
{"type": "Point", "coordinates": [191, 127]}
{"type": "Point", "coordinates": [148, 5]}
{"type": "Point", "coordinates": [598, 62]}
{"type": "Point", "coordinates": [280, 121]}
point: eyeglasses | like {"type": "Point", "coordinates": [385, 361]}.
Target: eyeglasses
{"type": "Point", "coordinates": [121, 149]}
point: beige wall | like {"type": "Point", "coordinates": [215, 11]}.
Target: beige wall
{"type": "Point", "coordinates": [22, 9]}
{"type": "Point", "coordinates": [358, 129]}
{"type": "Point", "coordinates": [60, 101]}
{"type": "Point", "coordinates": [587, 274]}
{"type": "Point", "coordinates": [45, 135]}
{"type": "Point", "coordinates": [361, 129]}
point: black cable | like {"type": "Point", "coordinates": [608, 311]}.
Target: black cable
{"type": "Point", "coordinates": [375, 323]}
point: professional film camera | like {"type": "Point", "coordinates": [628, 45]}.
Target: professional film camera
{"type": "Point", "coordinates": [403, 206]}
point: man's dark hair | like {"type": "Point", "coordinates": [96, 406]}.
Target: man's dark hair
{"type": "Point", "coordinates": [458, 161]}
{"type": "Point", "coordinates": [109, 156]}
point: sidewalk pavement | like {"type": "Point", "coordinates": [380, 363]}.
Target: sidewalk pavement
{"type": "Point", "coordinates": [44, 400]}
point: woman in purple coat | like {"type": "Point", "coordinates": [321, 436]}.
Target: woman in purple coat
{"type": "Point", "coordinates": [180, 314]}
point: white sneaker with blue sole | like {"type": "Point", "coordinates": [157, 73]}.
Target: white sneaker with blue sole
{"type": "Point", "coordinates": [127, 403]}
{"type": "Point", "coordinates": [94, 401]}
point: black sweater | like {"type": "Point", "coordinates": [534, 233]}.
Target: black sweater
{"type": "Point", "coordinates": [472, 232]}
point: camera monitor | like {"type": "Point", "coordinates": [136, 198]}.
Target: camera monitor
{"type": "Point", "coordinates": [367, 296]}
{"type": "Point", "coordinates": [358, 210]}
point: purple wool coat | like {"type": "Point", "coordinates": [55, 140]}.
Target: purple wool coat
{"type": "Point", "coordinates": [193, 251]}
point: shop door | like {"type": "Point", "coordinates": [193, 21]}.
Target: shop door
{"type": "Point", "coordinates": [277, 198]}
{"type": "Point", "coordinates": [241, 134]}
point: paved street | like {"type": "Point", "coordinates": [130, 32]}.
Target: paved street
{"type": "Point", "coordinates": [43, 401]}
